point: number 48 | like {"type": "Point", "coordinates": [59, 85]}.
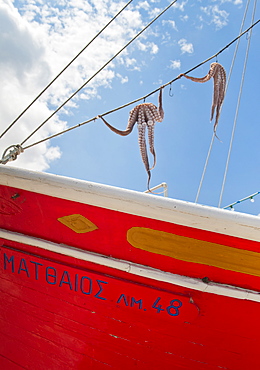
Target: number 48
{"type": "Point", "coordinates": [172, 309]}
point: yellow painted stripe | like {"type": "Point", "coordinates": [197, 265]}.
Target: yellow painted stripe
{"type": "Point", "coordinates": [193, 250]}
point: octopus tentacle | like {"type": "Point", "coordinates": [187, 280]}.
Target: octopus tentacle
{"type": "Point", "coordinates": [142, 141]}
{"type": "Point", "coordinates": [219, 92]}
{"type": "Point", "coordinates": [129, 128]}
{"type": "Point", "coordinates": [202, 79]}
{"type": "Point", "coordinates": [151, 124]}
{"type": "Point", "coordinates": [145, 114]}
{"type": "Point", "coordinates": [218, 73]}
{"type": "Point", "coordinates": [153, 115]}
{"type": "Point", "coordinates": [143, 151]}
{"type": "Point", "coordinates": [160, 111]}
{"type": "Point", "coordinates": [133, 116]}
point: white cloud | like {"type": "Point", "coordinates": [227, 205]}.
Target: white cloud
{"type": "Point", "coordinates": [148, 46]}
{"type": "Point", "coordinates": [216, 15]}
{"type": "Point", "coordinates": [184, 18]}
{"type": "Point", "coordinates": [144, 5]}
{"type": "Point", "coordinates": [235, 2]}
{"type": "Point", "coordinates": [131, 64]}
{"type": "Point", "coordinates": [154, 48]}
{"type": "Point", "coordinates": [154, 12]}
{"type": "Point", "coordinates": [53, 153]}
{"type": "Point", "coordinates": [186, 47]}
{"type": "Point", "coordinates": [123, 80]}
{"type": "Point", "coordinates": [180, 5]}
{"type": "Point", "coordinates": [175, 64]}
{"type": "Point", "coordinates": [220, 17]}
{"type": "Point", "coordinates": [36, 43]}
{"type": "Point", "coordinates": [171, 23]}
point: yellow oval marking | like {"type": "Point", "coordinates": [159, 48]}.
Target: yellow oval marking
{"type": "Point", "coordinates": [193, 250]}
{"type": "Point", "coordinates": [78, 223]}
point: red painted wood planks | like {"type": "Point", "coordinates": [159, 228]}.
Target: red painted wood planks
{"type": "Point", "coordinates": [54, 324]}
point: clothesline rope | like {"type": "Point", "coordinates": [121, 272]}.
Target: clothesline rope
{"type": "Point", "coordinates": [143, 97]}
{"type": "Point", "coordinates": [132, 102]}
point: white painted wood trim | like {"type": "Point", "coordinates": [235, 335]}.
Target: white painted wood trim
{"type": "Point", "coordinates": [135, 269]}
{"type": "Point", "coordinates": [136, 203]}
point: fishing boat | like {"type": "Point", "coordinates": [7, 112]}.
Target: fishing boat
{"type": "Point", "coordinates": [99, 277]}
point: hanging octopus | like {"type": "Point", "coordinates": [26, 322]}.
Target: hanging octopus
{"type": "Point", "coordinates": [219, 75]}
{"type": "Point", "coordinates": [145, 115]}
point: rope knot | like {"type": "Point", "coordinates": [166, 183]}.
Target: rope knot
{"type": "Point", "coordinates": [11, 153]}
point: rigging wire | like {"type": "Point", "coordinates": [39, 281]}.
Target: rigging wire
{"type": "Point", "coordinates": [237, 109]}
{"type": "Point", "coordinates": [58, 75]}
{"type": "Point", "coordinates": [205, 167]}
{"type": "Point", "coordinates": [142, 98]}
{"type": "Point", "coordinates": [228, 80]}
{"type": "Point", "coordinates": [94, 75]}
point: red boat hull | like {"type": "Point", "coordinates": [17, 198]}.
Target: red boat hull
{"type": "Point", "coordinates": [67, 315]}
{"type": "Point", "coordinates": [86, 287]}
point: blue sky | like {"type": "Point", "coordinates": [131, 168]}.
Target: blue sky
{"type": "Point", "coordinates": [38, 38]}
